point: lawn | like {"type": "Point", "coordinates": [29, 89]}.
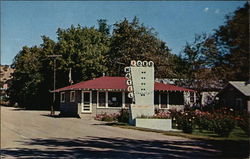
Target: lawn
{"type": "Point", "coordinates": [237, 144]}
{"type": "Point", "coordinates": [236, 135]}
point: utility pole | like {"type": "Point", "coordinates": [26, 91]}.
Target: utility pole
{"type": "Point", "coordinates": [54, 83]}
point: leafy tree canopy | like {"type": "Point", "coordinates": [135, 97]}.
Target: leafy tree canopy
{"type": "Point", "coordinates": [134, 41]}
{"type": "Point", "coordinates": [223, 55]}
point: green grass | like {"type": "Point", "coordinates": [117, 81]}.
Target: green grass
{"type": "Point", "coordinates": [237, 145]}
{"type": "Point", "coordinates": [234, 146]}
{"type": "Point", "coordinates": [236, 134]}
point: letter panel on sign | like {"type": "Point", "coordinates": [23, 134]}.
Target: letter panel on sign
{"type": "Point", "coordinates": [143, 85]}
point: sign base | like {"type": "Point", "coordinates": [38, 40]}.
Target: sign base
{"type": "Point", "coordinates": [139, 111]}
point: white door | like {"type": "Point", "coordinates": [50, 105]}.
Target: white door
{"type": "Point", "coordinates": [86, 101]}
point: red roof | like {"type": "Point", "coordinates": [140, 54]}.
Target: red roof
{"type": "Point", "coordinates": [115, 83]}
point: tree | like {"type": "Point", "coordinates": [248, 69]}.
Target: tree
{"type": "Point", "coordinates": [133, 41]}
{"type": "Point", "coordinates": [201, 59]}
{"type": "Point", "coordinates": [27, 79]}
{"type": "Point", "coordinates": [232, 39]}
{"type": "Point", "coordinates": [103, 26]}
{"type": "Point", "coordinates": [222, 56]}
{"type": "Point", "coordinates": [84, 50]}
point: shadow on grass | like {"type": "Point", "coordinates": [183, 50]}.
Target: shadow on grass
{"type": "Point", "coordinates": [100, 147]}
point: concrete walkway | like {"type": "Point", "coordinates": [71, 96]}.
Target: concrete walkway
{"type": "Point", "coordinates": [34, 134]}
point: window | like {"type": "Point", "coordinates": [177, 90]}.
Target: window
{"type": "Point", "coordinates": [62, 97]}
{"type": "Point", "coordinates": [101, 99]}
{"type": "Point", "coordinates": [114, 99]}
{"type": "Point", "coordinates": [238, 103]}
{"type": "Point", "coordinates": [72, 96]}
{"type": "Point", "coordinates": [191, 97]}
{"type": "Point", "coordinates": [156, 97]}
{"type": "Point", "coordinates": [176, 98]}
{"type": "Point", "coordinates": [163, 100]}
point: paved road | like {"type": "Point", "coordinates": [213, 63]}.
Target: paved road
{"type": "Point", "coordinates": [34, 134]}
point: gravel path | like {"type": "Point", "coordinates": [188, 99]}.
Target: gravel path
{"type": "Point", "coordinates": [34, 134]}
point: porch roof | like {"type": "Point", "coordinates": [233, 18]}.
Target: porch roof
{"type": "Point", "coordinates": [115, 83]}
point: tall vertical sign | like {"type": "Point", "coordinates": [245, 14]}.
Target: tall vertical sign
{"type": "Point", "coordinates": [140, 81]}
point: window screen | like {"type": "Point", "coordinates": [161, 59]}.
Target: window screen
{"type": "Point", "coordinates": [114, 99]}
{"type": "Point", "coordinates": [176, 98]}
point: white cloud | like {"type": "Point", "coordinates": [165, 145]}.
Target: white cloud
{"type": "Point", "coordinates": [217, 11]}
{"type": "Point", "coordinates": [206, 9]}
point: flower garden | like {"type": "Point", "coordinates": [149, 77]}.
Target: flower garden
{"type": "Point", "coordinates": [220, 122]}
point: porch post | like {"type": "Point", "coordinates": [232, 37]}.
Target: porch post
{"type": "Point", "coordinates": [106, 101]}
{"type": "Point", "coordinates": [123, 99]}
{"type": "Point", "coordinates": [194, 98]}
{"type": "Point", "coordinates": [159, 100]}
{"type": "Point", "coordinates": [168, 99]}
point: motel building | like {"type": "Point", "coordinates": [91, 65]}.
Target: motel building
{"type": "Point", "coordinates": [109, 95]}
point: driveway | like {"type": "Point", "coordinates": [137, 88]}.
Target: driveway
{"type": "Point", "coordinates": [34, 134]}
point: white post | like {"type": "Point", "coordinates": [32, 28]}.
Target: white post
{"type": "Point", "coordinates": [159, 100]}
{"type": "Point", "coordinates": [107, 99]}
{"type": "Point", "coordinates": [168, 99]}
{"type": "Point", "coordinates": [123, 99]}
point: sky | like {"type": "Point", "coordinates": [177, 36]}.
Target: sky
{"type": "Point", "coordinates": [176, 22]}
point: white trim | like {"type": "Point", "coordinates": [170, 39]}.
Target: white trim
{"type": "Point", "coordinates": [107, 99]}
{"type": "Point", "coordinates": [90, 102]}
{"type": "Point", "coordinates": [70, 96]}
{"type": "Point", "coordinates": [62, 93]}
{"type": "Point", "coordinates": [98, 99]}
{"type": "Point", "coordinates": [107, 106]}
{"type": "Point", "coordinates": [167, 100]}
{"type": "Point", "coordinates": [194, 97]}
{"type": "Point", "coordinates": [159, 99]}
{"type": "Point", "coordinates": [123, 99]}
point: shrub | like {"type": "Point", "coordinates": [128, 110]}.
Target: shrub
{"type": "Point", "coordinates": [220, 122]}
{"type": "Point", "coordinates": [162, 115]}
{"type": "Point", "coordinates": [123, 116]}
{"type": "Point", "coordinates": [107, 117]}
{"type": "Point", "coordinates": [183, 120]}
{"type": "Point", "coordinates": [187, 122]}
{"type": "Point", "coordinates": [223, 125]}
{"type": "Point", "coordinates": [204, 120]}
{"type": "Point", "coordinates": [176, 118]}
{"type": "Point", "coordinates": [243, 123]}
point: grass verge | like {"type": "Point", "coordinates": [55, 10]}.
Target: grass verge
{"type": "Point", "coordinates": [236, 135]}
{"type": "Point", "coordinates": [234, 146]}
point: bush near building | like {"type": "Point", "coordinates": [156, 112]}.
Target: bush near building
{"type": "Point", "coordinates": [221, 121]}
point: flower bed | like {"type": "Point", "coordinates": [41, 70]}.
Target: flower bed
{"type": "Point", "coordinates": [122, 116]}
{"type": "Point", "coordinates": [221, 121]}
{"type": "Point", "coordinates": [107, 117]}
